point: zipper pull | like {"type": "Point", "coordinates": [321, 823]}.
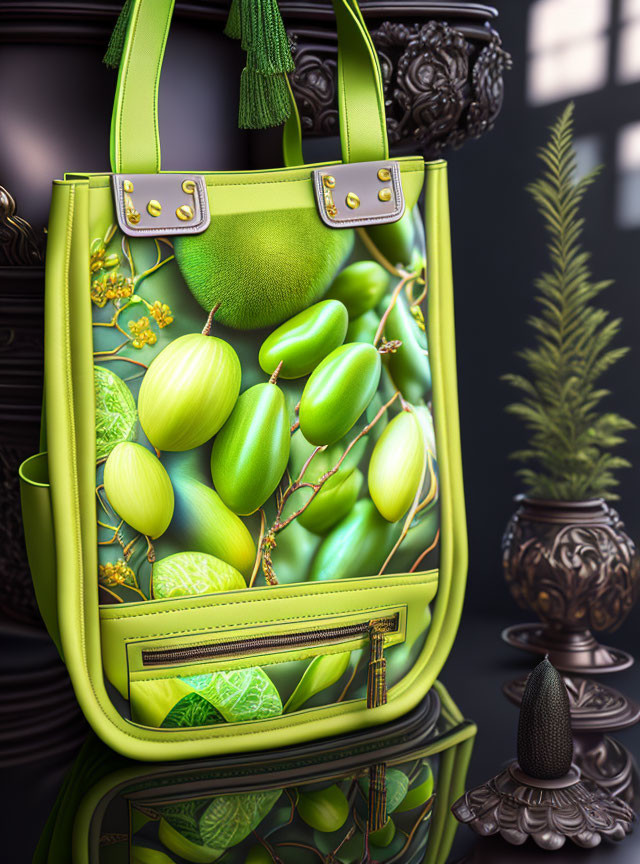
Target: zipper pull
{"type": "Point", "coordinates": [377, 674]}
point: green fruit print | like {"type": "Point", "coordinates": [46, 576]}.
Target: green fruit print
{"type": "Point", "coordinates": [277, 264]}
{"type": "Point", "coordinates": [425, 418]}
{"type": "Point", "coordinates": [251, 451]}
{"type": "Point", "coordinates": [396, 466]}
{"type": "Point", "coordinates": [325, 810]}
{"type": "Point", "coordinates": [239, 694]}
{"type": "Point", "coordinates": [363, 328]}
{"type": "Point", "coordinates": [419, 793]}
{"type": "Point", "coordinates": [116, 414]}
{"type": "Point", "coordinates": [397, 240]}
{"type": "Point", "coordinates": [302, 342]}
{"type": "Point", "coordinates": [384, 836]}
{"type": "Point", "coordinates": [360, 286]}
{"type": "Point", "coordinates": [187, 849]}
{"type": "Point", "coordinates": [322, 672]}
{"type": "Point", "coordinates": [229, 819]}
{"type": "Point", "coordinates": [357, 546]}
{"type": "Point", "coordinates": [332, 503]}
{"type": "Point", "coordinates": [338, 391]}
{"type": "Point", "coordinates": [205, 524]}
{"type": "Point", "coordinates": [258, 855]}
{"type": "Point", "coordinates": [139, 489]}
{"type": "Point", "coordinates": [188, 391]}
{"type": "Point", "coordinates": [143, 855]}
{"type": "Point", "coordinates": [409, 366]}
{"type": "Point", "coordinates": [186, 574]}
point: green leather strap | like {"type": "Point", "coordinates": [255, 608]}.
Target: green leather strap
{"type": "Point", "coordinates": [135, 140]}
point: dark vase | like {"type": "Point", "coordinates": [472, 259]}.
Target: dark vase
{"type": "Point", "coordinates": [572, 563]}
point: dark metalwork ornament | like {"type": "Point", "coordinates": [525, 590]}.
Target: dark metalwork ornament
{"type": "Point", "coordinates": [573, 564]}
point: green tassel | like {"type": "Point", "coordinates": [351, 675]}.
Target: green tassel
{"type": "Point", "coordinates": [115, 47]}
{"type": "Point", "coordinates": [264, 100]}
{"type": "Point", "coordinates": [264, 94]}
{"type": "Point", "coordinates": [234, 22]}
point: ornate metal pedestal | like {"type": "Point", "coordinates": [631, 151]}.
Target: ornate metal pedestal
{"type": "Point", "coordinates": [544, 795]}
{"type": "Point", "coordinates": [597, 710]}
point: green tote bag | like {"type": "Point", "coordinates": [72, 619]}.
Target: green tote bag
{"type": "Point", "coordinates": [246, 528]}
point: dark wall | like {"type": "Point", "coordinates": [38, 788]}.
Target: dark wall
{"type": "Point", "coordinates": [498, 251]}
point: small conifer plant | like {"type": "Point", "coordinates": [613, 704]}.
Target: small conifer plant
{"type": "Point", "coordinates": [569, 455]}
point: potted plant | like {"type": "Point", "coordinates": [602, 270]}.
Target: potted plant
{"type": "Point", "coordinates": [566, 555]}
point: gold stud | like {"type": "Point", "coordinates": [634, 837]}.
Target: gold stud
{"type": "Point", "coordinates": [154, 207]}
{"type": "Point", "coordinates": [188, 186]}
{"type": "Point", "coordinates": [384, 174]}
{"type": "Point", "coordinates": [329, 181]}
{"type": "Point", "coordinates": [353, 201]}
{"type": "Point", "coordinates": [133, 217]}
{"type": "Point", "coordinates": [184, 213]}
{"type": "Point", "coordinates": [385, 194]}
{"type": "Point", "coordinates": [127, 186]}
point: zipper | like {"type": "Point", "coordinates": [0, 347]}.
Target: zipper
{"type": "Point", "coordinates": [376, 630]}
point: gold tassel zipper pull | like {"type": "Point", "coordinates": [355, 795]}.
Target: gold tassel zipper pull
{"type": "Point", "coordinates": [377, 675]}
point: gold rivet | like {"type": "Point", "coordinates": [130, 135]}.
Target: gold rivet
{"type": "Point", "coordinates": [353, 201]}
{"type": "Point", "coordinates": [189, 187]}
{"type": "Point", "coordinates": [184, 213]}
{"type": "Point", "coordinates": [384, 194]}
{"type": "Point", "coordinates": [133, 217]}
{"type": "Point", "coordinates": [384, 174]}
{"type": "Point", "coordinates": [329, 181]}
{"type": "Point", "coordinates": [154, 207]}
{"type": "Point", "coordinates": [127, 186]}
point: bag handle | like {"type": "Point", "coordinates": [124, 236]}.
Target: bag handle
{"type": "Point", "coordinates": [135, 139]}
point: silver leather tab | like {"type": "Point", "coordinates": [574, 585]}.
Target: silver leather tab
{"type": "Point", "coordinates": [155, 205]}
{"type": "Point", "coordinates": [358, 194]}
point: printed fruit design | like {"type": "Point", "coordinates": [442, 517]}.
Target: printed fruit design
{"type": "Point", "coordinates": [251, 451]}
{"type": "Point", "coordinates": [144, 855]}
{"type": "Point", "coordinates": [322, 672]}
{"type": "Point", "coordinates": [186, 573]}
{"type": "Point", "coordinates": [397, 465]}
{"type": "Point", "coordinates": [258, 855]}
{"type": "Point", "coordinates": [397, 240]}
{"type": "Point", "coordinates": [280, 262]}
{"type": "Point", "coordinates": [187, 849]}
{"type": "Point", "coordinates": [116, 414]}
{"type": "Point", "coordinates": [204, 523]}
{"type": "Point", "coordinates": [139, 489]}
{"type": "Point", "coordinates": [332, 503]}
{"type": "Point", "coordinates": [189, 391]}
{"type": "Point", "coordinates": [357, 546]}
{"type": "Point", "coordinates": [409, 366]}
{"type": "Point", "coordinates": [338, 391]}
{"type": "Point", "coordinates": [360, 286]}
{"type": "Point", "coordinates": [325, 810]}
{"type": "Point", "coordinates": [363, 328]}
{"type": "Point", "coordinates": [303, 341]}
{"type": "Point", "coordinates": [239, 694]}
{"type": "Point", "coordinates": [419, 793]}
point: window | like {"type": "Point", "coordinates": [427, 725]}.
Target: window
{"type": "Point", "coordinates": [628, 60]}
{"type": "Point", "coordinates": [568, 48]}
{"type": "Point", "coordinates": [628, 159]}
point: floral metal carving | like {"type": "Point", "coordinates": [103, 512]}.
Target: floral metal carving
{"type": "Point", "coordinates": [19, 244]}
{"type": "Point", "coordinates": [581, 812]}
{"type": "Point", "coordinates": [574, 574]}
{"type": "Point", "coordinates": [440, 87]}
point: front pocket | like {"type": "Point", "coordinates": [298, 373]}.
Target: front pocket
{"type": "Point", "coordinates": [157, 652]}
{"type": "Point", "coordinates": [237, 675]}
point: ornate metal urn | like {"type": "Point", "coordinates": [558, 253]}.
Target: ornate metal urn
{"type": "Point", "coordinates": [573, 565]}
